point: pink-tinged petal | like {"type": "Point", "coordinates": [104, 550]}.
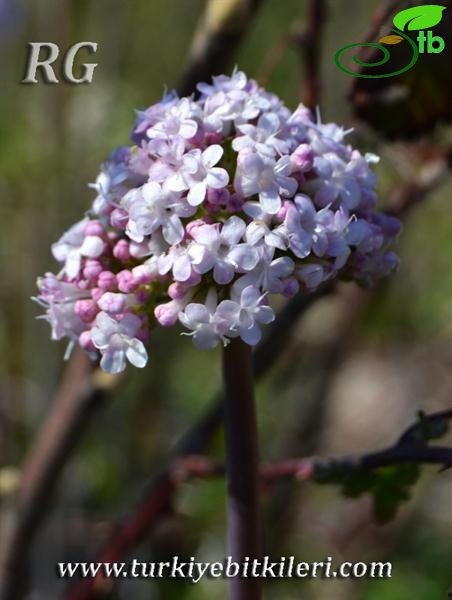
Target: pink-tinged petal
{"type": "Point", "coordinates": [212, 155]}
{"type": "Point", "coordinates": [181, 268]}
{"type": "Point", "coordinates": [113, 361]}
{"type": "Point", "coordinates": [207, 235]}
{"type": "Point", "coordinates": [270, 201]}
{"type": "Point", "coordinates": [217, 178]}
{"type": "Point", "coordinates": [136, 354]}
{"type": "Point", "coordinates": [233, 230]}
{"type": "Point", "coordinates": [197, 193]}
{"type": "Point", "coordinates": [251, 335]}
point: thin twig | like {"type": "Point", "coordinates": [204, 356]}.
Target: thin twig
{"type": "Point", "coordinates": [219, 33]}
{"type": "Point", "coordinates": [309, 42]}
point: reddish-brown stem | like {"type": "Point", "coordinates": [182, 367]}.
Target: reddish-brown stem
{"type": "Point", "coordinates": [244, 538]}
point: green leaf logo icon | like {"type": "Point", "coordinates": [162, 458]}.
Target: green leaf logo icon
{"type": "Point", "coordinates": [419, 17]}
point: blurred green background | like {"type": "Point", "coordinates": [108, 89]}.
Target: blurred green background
{"type": "Point", "coordinates": [335, 390]}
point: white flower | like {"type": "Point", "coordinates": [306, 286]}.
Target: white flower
{"type": "Point", "coordinates": [243, 314]}
{"type": "Point", "coordinates": [73, 245]}
{"type": "Point", "coordinates": [116, 340]}
{"type": "Point", "coordinates": [261, 137]}
{"type": "Point", "coordinates": [152, 207]}
{"type": "Point", "coordinates": [305, 227]}
{"type": "Point", "coordinates": [220, 250]}
{"type": "Point", "coordinates": [178, 120]}
{"type": "Point", "coordinates": [198, 173]}
{"type": "Point", "coordinates": [202, 321]}
{"type": "Point", "coordinates": [260, 174]}
{"type": "Point", "coordinates": [177, 260]}
{"type": "Point", "coordinates": [59, 298]}
{"type": "Point", "coordinates": [268, 272]}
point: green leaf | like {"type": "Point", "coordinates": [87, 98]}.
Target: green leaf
{"type": "Point", "coordinates": [388, 486]}
{"type": "Point", "coordinates": [419, 17]}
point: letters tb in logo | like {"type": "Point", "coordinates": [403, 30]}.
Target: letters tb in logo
{"type": "Point", "coordinates": [35, 62]}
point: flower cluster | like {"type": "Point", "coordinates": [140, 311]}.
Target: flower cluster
{"type": "Point", "coordinates": [220, 202]}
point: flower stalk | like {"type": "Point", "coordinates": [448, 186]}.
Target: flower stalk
{"type": "Point", "coordinates": [243, 515]}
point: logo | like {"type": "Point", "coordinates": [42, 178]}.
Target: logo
{"type": "Point", "coordinates": [417, 18]}
{"type": "Point", "coordinates": [34, 62]}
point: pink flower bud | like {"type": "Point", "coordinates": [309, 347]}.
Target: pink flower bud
{"type": "Point", "coordinates": [112, 303]}
{"type": "Point", "coordinates": [193, 225]}
{"type": "Point", "coordinates": [177, 290]}
{"type": "Point", "coordinates": [86, 310]}
{"type": "Point", "coordinates": [86, 342]}
{"type": "Point", "coordinates": [194, 279]}
{"type": "Point", "coordinates": [121, 250]}
{"type": "Point", "coordinates": [113, 236]}
{"type": "Point", "coordinates": [94, 228]}
{"type": "Point", "coordinates": [166, 314]}
{"type": "Point", "coordinates": [281, 214]}
{"type": "Point", "coordinates": [126, 281]}
{"type": "Point", "coordinates": [106, 281]}
{"type": "Point", "coordinates": [213, 138]}
{"type": "Point", "coordinates": [303, 158]}
{"type": "Point", "coordinates": [96, 293]}
{"type": "Point", "coordinates": [92, 269]}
